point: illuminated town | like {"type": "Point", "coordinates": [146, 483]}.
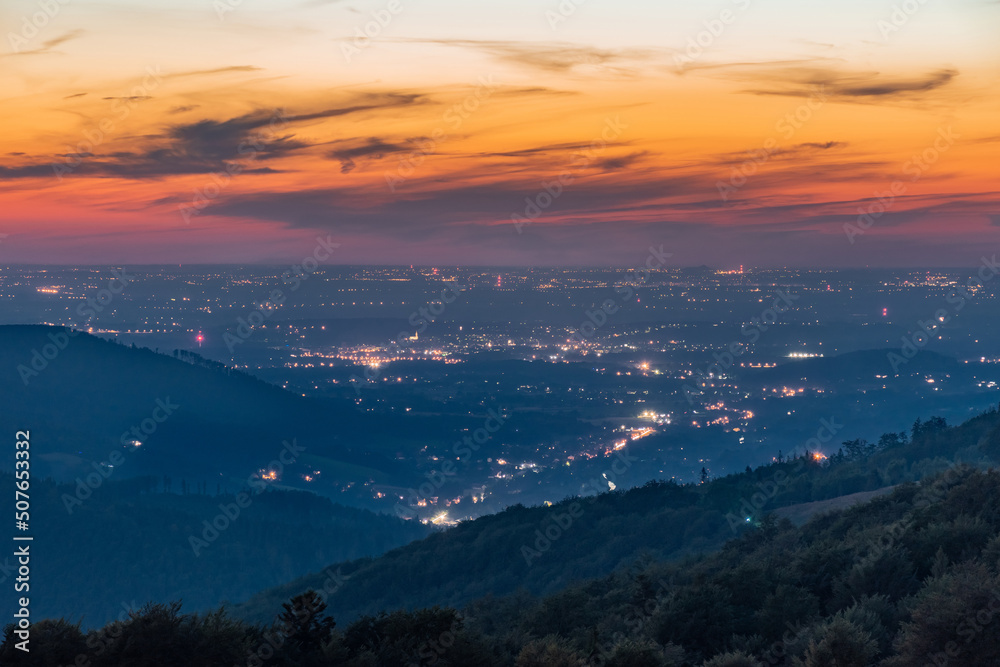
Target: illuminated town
{"type": "Point", "coordinates": [694, 369]}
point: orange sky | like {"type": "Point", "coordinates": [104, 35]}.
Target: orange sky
{"type": "Point", "coordinates": [730, 132]}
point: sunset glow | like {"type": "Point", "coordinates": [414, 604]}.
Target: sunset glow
{"type": "Point", "coordinates": [733, 132]}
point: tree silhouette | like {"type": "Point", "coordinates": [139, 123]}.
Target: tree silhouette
{"type": "Point", "coordinates": [304, 625]}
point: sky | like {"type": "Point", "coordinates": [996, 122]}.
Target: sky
{"type": "Point", "coordinates": [436, 132]}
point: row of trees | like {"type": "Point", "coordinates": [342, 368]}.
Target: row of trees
{"type": "Point", "coordinates": [909, 579]}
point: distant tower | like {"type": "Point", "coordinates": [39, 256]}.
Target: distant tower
{"type": "Point", "coordinates": [200, 338]}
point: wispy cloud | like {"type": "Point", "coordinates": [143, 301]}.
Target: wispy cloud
{"type": "Point", "coordinates": [553, 57]}
{"type": "Point", "coordinates": [48, 46]}
{"type": "Point", "coordinates": [371, 148]}
{"type": "Point", "coordinates": [218, 70]}
{"type": "Point", "coordinates": [803, 78]}
{"type": "Point", "coordinates": [206, 145]}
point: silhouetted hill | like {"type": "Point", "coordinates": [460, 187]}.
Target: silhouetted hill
{"type": "Point", "coordinates": [910, 578]}
{"type": "Point", "coordinates": [197, 421]}
{"type": "Point", "coordinates": [543, 549]}
{"type": "Point", "coordinates": [127, 542]}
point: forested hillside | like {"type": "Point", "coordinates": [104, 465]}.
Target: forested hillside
{"type": "Point", "coordinates": [197, 420]}
{"type": "Point", "coordinates": [641, 577]}
{"type": "Point", "coordinates": [908, 579]}
{"type": "Point", "coordinates": [543, 549]}
{"type": "Point", "coordinates": [125, 543]}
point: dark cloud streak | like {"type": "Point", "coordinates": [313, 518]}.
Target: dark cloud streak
{"type": "Point", "coordinates": [208, 145]}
